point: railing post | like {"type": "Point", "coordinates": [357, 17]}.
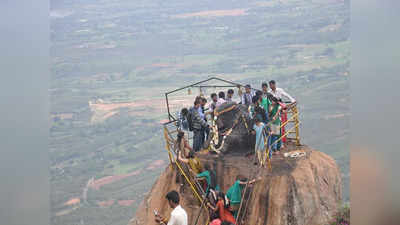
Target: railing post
{"type": "Point", "coordinates": [168, 148]}
{"type": "Point", "coordinates": [297, 125]}
{"type": "Point", "coordinates": [172, 159]}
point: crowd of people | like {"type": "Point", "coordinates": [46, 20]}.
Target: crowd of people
{"type": "Point", "coordinates": [268, 111]}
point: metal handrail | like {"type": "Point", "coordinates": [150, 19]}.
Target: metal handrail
{"type": "Point", "coordinates": [293, 118]}
{"type": "Point", "coordinates": [181, 170]}
{"type": "Point", "coordinates": [286, 133]}
{"type": "Point", "coordinates": [170, 141]}
{"type": "Point", "coordinates": [197, 84]}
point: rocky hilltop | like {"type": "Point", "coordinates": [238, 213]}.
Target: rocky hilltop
{"type": "Point", "coordinates": [297, 191]}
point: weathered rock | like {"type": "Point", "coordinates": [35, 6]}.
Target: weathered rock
{"type": "Point", "coordinates": [307, 192]}
{"type": "Point", "coordinates": [300, 191]}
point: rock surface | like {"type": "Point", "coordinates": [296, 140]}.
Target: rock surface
{"type": "Point", "coordinates": [298, 191]}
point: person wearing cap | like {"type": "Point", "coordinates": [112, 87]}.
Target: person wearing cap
{"type": "Point", "coordinates": [247, 96]}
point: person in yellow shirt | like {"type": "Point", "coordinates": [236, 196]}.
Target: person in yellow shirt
{"type": "Point", "coordinates": [194, 163]}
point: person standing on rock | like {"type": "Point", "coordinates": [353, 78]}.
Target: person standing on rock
{"type": "Point", "coordinates": [201, 108]}
{"type": "Point", "coordinates": [265, 99]}
{"type": "Point", "coordinates": [199, 125]}
{"type": "Point", "coordinates": [258, 130]}
{"type": "Point", "coordinates": [265, 92]}
{"type": "Point", "coordinates": [256, 110]}
{"type": "Point", "coordinates": [206, 130]}
{"type": "Point", "coordinates": [229, 96]}
{"type": "Point", "coordinates": [221, 98]}
{"type": "Point", "coordinates": [279, 93]}
{"type": "Point", "coordinates": [247, 96]}
{"type": "Point", "coordinates": [178, 214]}
{"type": "Point", "coordinates": [275, 124]}
{"type": "Point", "coordinates": [214, 99]}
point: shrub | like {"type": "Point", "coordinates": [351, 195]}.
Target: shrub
{"type": "Point", "coordinates": [342, 217]}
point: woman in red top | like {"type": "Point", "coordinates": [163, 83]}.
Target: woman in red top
{"type": "Point", "coordinates": [223, 212]}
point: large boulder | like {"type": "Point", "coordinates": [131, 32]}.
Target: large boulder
{"type": "Point", "coordinates": [297, 191]}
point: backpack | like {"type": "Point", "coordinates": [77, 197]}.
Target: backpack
{"type": "Point", "coordinates": [189, 118]}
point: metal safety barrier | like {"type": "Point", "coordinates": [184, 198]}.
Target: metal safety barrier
{"type": "Point", "coordinates": [170, 144]}
{"type": "Point", "coordinates": [173, 160]}
{"type": "Point", "coordinates": [292, 109]}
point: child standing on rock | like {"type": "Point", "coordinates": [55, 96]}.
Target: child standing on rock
{"type": "Point", "coordinates": [258, 130]}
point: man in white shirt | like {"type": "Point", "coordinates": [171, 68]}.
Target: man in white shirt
{"type": "Point", "coordinates": [279, 93]}
{"type": "Point", "coordinates": [229, 95]}
{"type": "Point", "coordinates": [221, 99]}
{"type": "Point", "coordinates": [178, 214]}
{"type": "Point", "coordinates": [213, 104]}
